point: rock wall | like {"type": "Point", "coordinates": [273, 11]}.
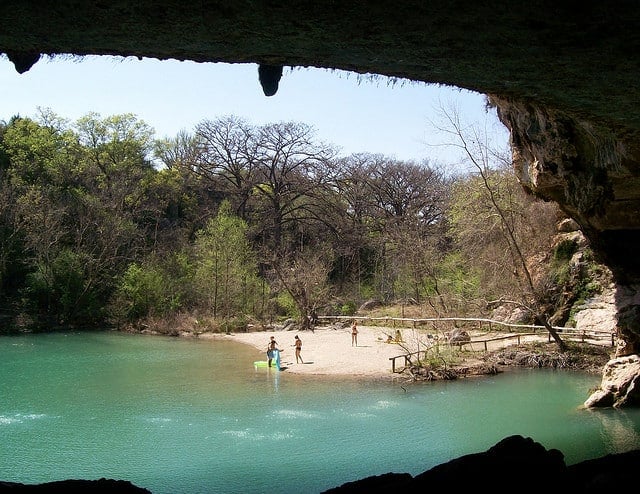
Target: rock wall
{"type": "Point", "coordinates": [592, 173]}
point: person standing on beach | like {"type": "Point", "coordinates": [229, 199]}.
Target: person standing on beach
{"type": "Point", "coordinates": [354, 333]}
{"type": "Point", "coordinates": [271, 348]}
{"type": "Point", "coordinates": [298, 346]}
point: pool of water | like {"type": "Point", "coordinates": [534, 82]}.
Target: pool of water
{"type": "Point", "coordinates": [194, 416]}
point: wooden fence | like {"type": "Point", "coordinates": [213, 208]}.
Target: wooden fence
{"type": "Point", "coordinates": [520, 330]}
{"type": "Point", "coordinates": [405, 322]}
{"type": "Point", "coordinates": [477, 324]}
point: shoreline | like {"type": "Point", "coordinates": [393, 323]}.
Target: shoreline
{"type": "Point", "coordinates": [327, 351]}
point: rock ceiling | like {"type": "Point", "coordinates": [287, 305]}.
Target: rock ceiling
{"type": "Point", "coordinates": [563, 73]}
{"type": "Point", "coordinates": [581, 57]}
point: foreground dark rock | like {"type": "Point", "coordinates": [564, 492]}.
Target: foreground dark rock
{"type": "Point", "coordinates": [102, 486]}
{"type": "Point", "coordinates": [515, 463]}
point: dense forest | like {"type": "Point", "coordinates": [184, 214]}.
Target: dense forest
{"type": "Point", "coordinates": [234, 224]}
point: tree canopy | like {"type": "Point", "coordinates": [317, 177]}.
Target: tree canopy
{"type": "Point", "coordinates": [102, 224]}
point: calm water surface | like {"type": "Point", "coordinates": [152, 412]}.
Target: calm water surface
{"type": "Point", "coordinates": [189, 416]}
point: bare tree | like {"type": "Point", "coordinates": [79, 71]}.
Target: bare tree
{"type": "Point", "coordinates": [482, 157]}
{"type": "Point", "coordinates": [391, 209]}
{"type": "Point", "coordinates": [227, 159]}
{"type": "Point", "coordinates": [180, 152]}
{"type": "Point", "coordinates": [304, 276]}
{"type": "Point", "coordinates": [292, 169]}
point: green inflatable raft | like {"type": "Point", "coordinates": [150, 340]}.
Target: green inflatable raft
{"type": "Point", "coordinates": [275, 362]}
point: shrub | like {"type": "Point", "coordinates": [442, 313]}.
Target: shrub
{"type": "Point", "coordinates": [348, 309]}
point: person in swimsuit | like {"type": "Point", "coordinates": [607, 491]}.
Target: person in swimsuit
{"type": "Point", "coordinates": [354, 333]}
{"type": "Point", "coordinates": [271, 347]}
{"type": "Point", "coordinates": [298, 346]}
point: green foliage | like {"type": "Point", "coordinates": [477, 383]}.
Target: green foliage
{"type": "Point", "coordinates": [61, 291]}
{"type": "Point", "coordinates": [458, 278]}
{"type": "Point", "coordinates": [226, 265]}
{"type": "Point", "coordinates": [239, 212]}
{"type": "Point", "coordinates": [287, 305]}
{"type": "Point", "coordinates": [429, 286]}
{"type": "Point", "coordinates": [39, 155]}
{"type": "Point", "coordinates": [76, 233]}
{"type": "Point", "coordinates": [561, 264]}
{"type": "Point", "coordinates": [159, 287]}
{"type": "Point", "coordinates": [348, 308]}
{"type": "Point", "coordinates": [141, 292]}
{"type": "Point", "coordinates": [564, 250]}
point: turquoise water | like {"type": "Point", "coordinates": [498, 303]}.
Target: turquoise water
{"type": "Point", "coordinates": [194, 416]}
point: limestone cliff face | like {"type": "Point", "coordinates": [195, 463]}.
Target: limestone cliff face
{"type": "Point", "coordinates": [590, 171]}
{"type": "Point", "coordinates": [593, 174]}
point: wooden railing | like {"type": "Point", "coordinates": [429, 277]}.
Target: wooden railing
{"type": "Point", "coordinates": [573, 334]}
{"type": "Point", "coordinates": [415, 322]}
{"type": "Point", "coordinates": [566, 333]}
{"type": "Point", "coordinates": [480, 323]}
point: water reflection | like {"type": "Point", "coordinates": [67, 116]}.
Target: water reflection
{"type": "Point", "coordinates": [619, 428]}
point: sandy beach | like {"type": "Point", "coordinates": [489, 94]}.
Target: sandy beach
{"type": "Point", "coordinates": [328, 350]}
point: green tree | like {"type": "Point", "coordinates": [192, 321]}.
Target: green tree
{"type": "Point", "coordinates": [157, 286]}
{"type": "Point", "coordinates": [226, 273]}
{"type": "Point", "coordinates": [90, 193]}
{"type": "Point", "coordinates": [142, 292]}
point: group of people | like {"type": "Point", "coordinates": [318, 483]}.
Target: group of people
{"type": "Point", "coordinates": [272, 346]}
{"type": "Point", "coordinates": [397, 339]}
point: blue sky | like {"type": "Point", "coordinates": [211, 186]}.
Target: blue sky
{"type": "Point", "coordinates": [350, 112]}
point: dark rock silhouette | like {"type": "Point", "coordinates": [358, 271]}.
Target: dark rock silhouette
{"type": "Point", "coordinates": [514, 464]}
{"type": "Point", "coordinates": [23, 61]}
{"type": "Point", "coordinates": [270, 76]}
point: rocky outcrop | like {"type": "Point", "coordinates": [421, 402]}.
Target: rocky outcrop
{"type": "Point", "coordinates": [515, 464]}
{"type": "Point", "coordinates": [597, 313]}
{"type": "Point", "coordinates": [591, 172]}
{"type": "Point", "coordinates": [620, 385]}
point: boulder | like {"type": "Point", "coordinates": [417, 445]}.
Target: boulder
{"type": "Point", "coordinates": [620, 386]}
{"type": "Point", "coordinates": [457, 337]}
